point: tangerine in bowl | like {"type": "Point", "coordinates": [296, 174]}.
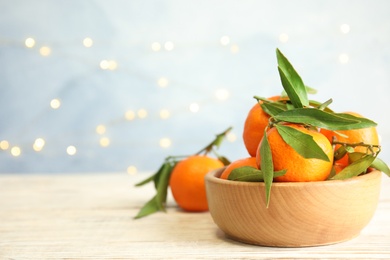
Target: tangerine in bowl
{"type": "Point", "coordinates": [299, 213]}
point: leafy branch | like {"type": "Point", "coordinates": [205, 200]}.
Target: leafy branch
{"type": "Point", "coordinates": [162, 176]}
{"type": "Point", "coordinates": [296, 108]}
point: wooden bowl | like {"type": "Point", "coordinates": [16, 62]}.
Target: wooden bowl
{"type": "Point", "coordinates": [299, 214]}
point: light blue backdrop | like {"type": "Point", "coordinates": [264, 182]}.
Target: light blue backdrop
{"type": "Point", "coordinates": [163, 56]}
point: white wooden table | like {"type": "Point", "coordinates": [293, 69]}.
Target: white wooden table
{"type": "Point", "coordinates": [90, 216]}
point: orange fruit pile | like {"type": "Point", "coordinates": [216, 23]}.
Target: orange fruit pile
{"type": "Point", "coordinates": [187, 181]}
{"type": "Point", "coordinates": [299, 169]}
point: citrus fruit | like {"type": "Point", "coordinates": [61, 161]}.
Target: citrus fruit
{"type": "Point", "coordinates": [366, 135]}
{"type": "Point", "coordinates": [299, 169]}
{"type": "Point", "coordinates": [254, 126]}
{"type": "Point", "coordinates": [250, 161]}
{"type": "Point", "coordinates": [187, 181]}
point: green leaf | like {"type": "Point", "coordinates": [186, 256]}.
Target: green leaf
{"type": "Point", "coordinates": [324, 105]}
{"type": "Point", "coordinates": [273, 108]}
{"type": "Point", "coordinates": [250, 174]}
{"type": "Point", "coordinates": [157, 203]}
{"type": "Point", "coordinates": [162, 187]}
{"type": "Point", "coordinates": [364, 122]}
{"type": "Point", "coordinates": [292, 82]}
{"type": "Point", "coordinates": [149, 208]}
{"type": "Point", "coordinates": [317, 104]}
{"type": "Point", "coordinates": [153, 177]}
{"type": "Point", "coordinates": [309, 90]}
{"type": "Point", "coordinates": [340, 153]}
{"type": "Point", "coordinates": [355, 168]}
{"type": "Point", "coordinates": [381, 166]}
{"type": "Point", "coordinates": [323, 119]}
{"type": "Point", "coordinates": [302, 143]}
{"type": "Point", "coordinates": [224, 160]}
{"type": "Point", "coordinates": [267, 166]}
{"type": "Point", "coordinates": [246, 173]}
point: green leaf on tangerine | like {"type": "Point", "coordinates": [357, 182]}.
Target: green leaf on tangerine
{"type": "Point", "coordinates": [355, 168]}
{"type": "Point", "coordinates": [302, 143]}
{"type": "Point", "coordinates": [250, 174]}
{"type": "Point", "coordinates": [340, 153]}
{"type": "Point", "coordinates": [273, 108]}
{"type": "Point", "coordinates": [323, 119]}
{"type": "Point", "coordinates": [267, 166]}
{"type": "Point", "coordinates": [246, 173]}
{"type": "Point", "coordinates": [224, 160]}
{"type": "Point", "coordinates": [292, 82]}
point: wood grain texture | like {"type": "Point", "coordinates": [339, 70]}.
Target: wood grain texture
{"type": "Point", "coordinates": [300, 213]}
{"type": "Point", "coordinates": [90, 216]}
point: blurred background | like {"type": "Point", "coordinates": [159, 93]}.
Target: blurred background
{"type": "Point", "coordinates": [117, 86]}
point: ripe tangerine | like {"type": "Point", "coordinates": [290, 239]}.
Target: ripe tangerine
{"type": "Point", "coordinates": [299, 169]}
{"type": "Point", "coordinates": [187, 181]}
{"type": "Point", "coordinates": [250, 161]}
{"type": "Point", "coordinates": [255, 123]}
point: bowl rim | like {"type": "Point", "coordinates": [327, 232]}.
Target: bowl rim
{"type": "Point", "coordinates": [214, 176]}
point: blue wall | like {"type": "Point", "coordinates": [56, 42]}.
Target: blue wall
{"type": "Point", "coordinates": [350, 64]}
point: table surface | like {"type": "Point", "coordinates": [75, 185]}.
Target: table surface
{"type": "Point", "coordinates": [90, 216]}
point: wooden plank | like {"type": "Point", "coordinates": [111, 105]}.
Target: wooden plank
{"type": "Point", "coordinates": [90, 216]}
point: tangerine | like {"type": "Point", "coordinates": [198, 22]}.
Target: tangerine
{"type": "Point", "coordinates": [187, 181]}
{"type": "Point", "coordinates": [255, 123]}
{"type": "Point", "coordinates": [250, 161]}
{"type": "Point", "coordinates": [299, 169]}
{"type": "Point", "coordinates": [365, 135]}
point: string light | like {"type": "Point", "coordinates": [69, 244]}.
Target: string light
{"type": "Point", "coordinates": [194, 107]}
{"type": "Point", "coordinates": [165, 142]}
{"type": "Point", "coordinates": [142, 113]}
{"type": "Point", "coordinates": [71, 150]}
{"type": "Point", "coordinates": [169, 46]}
{"type": "Point", "coordinates": [4, 145]}
{"type": "Point", "coordinates": [156, 46]}
{"type": "Point", "coordinates": [343, 58]}
{"type": "Point", "coordinates": [129, 115]}
{"type": "Point", "coordinates": [100, 129]}
{"type": "Point", "coordinates": [222, 94]}
{"type": "Point", "coordinates": [16, 151]}
{"type": "Point", "coordinates": [55, 103]}
{"type": "Point", "coordinates": [108, 64]}
{"type": "Point", "coordinates": [225, 40]}
{"type": "Point", "coordinates": [38, 145]}
{"type": "Point", "coordinates": [104, 142]}
{"type": "Point", "coordinates": [283, 37]}
{"type": "Point", "coordinates": [45, 51]}
{"type": "Point", "coordinates": [87, 42]}
{"type": "Point", "coordinates": [29, 42]}
{"type": "Point", "coordinates": [345, 28]}
{"type": "Point", "coordinates": [164, 114]}
{"type": "Point", "coordinates": [132, 170]}
{"type": "Point", "coordinates": [231, 137]}
{"type": "Point", "coordinates": [234, 49]}
{"type": "Point", "coordinates": [162, 82]}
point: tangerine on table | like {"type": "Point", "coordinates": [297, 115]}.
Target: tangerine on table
{"type": "Point", "coordinates": [187, 181]}
{"type": "Point", "coordinates": [367, 135]}
{"type": "Point", "coordinates": [250, 161]}
{"type": "Point", "coordinates": [299, 169]}
{"type": "Point", "coordinates": [254, 126]}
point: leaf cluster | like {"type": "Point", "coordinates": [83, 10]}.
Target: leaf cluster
{"type": "Point", "coordinates": [162, 176]}
{"type": "Point", "coordinates": [295, 107]}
